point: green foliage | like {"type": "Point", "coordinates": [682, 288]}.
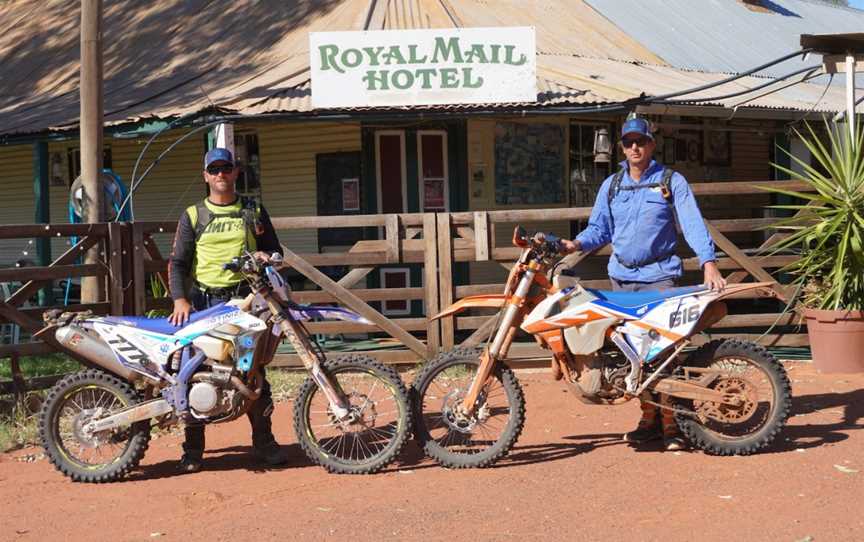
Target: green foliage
{"type": "Point", "coordinates": [828, 229]}
{"type": "Point", "coordinates": [18, 428]}
{"type": "Point", "coordinates": [32, 366]}
{"type": "Point", "coordinates": [157, 289]}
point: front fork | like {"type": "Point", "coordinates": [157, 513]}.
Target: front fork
{"type": "Point", "coordinates": [298, 339]}
{"type": "Point", "coordinates": [501, 344]}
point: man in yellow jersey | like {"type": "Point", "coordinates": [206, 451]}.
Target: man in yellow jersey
{"type": "Point", "coordinates": [209, 234]}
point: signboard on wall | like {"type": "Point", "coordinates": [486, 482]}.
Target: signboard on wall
{"type": "Point", "coordinates": [423, 67]}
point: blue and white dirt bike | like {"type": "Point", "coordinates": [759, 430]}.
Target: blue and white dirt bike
{"type": "Point", "coordinates": [350, 416]}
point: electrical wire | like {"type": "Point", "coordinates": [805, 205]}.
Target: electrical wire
{"type": "Point", "coordinates": [808, 69]}
{"type": "Point", "coordinates": [135, 185]}
{"type": "Point", "coordinates": [734, 77]}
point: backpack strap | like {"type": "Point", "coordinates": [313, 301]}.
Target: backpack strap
{"type": "Point", "coordinates": [615, 186]}
{"type": "Point", "coordinates": [203, 217]}
{"type": "Point", "coordinates": [250, 211]}
{"type": "Point", "coordinates": [666, 185]}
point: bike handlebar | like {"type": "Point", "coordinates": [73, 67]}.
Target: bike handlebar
{"type": "Point", "coordinates": [249, 263]}
{"type": "Point", "coordinates": [547, 244]}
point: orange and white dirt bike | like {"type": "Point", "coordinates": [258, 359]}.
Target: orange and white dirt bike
{"type": "Point", "coordinates": [728, 396]}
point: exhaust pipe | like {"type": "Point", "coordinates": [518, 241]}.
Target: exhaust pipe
{"type": "Point", "coordinates": [94, 350]}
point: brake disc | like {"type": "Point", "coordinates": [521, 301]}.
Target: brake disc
{"type": "Point", "coordinates": [457, 420]}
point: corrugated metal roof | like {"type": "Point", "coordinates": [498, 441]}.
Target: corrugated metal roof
{"type": "Point", "coordinates": [172, 57]}
{"type": "Point", "coordinates": [726, 35]}
{"type": "Point", "coordinates": [161, 58]}
{"type": "Point", "coordinates": [618, 81]}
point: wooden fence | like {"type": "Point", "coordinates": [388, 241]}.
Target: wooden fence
{"type": "Point", "coordinates": [434, 242]}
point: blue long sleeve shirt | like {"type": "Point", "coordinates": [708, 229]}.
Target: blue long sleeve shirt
{"type": "Point", "coordinates": [641, 227]}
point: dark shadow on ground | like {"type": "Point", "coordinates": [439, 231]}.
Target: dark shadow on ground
{"type": "Point", "coordinates": [813, 435]}
{"type": "Point", "coordinates": [555, 451]}
{"type": "Point", "coordinates": [228, 459]}
{"type": "Point", "coordinates": [412, 456]}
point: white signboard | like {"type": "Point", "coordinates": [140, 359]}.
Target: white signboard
{"type": "Point", "coordinates": [423, 67]}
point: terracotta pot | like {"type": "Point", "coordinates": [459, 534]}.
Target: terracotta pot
{"type": "Point", "coordinates": [836, 340]}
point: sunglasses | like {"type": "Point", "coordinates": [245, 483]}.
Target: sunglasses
{"type": "Point", "coordinates": [216, 170]}
{"type": "Point", "coordinates": [640, 141]}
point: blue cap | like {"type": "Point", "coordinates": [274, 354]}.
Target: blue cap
{"type": "Point", "coordinates": [636, 126]}
{"type": "Point", "coordinates": [216, 155]}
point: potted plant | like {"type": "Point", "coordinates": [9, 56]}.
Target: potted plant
{"type": "Point", "coordinates": [828, 231]}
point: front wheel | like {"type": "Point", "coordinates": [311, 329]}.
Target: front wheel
{"type": "Point", "coordinates": [456, 440]}
{"type": "Point", "coordinates": [376, 428]}
{"type": "Point", "coordinates": [749, 373]}
{"type": "Point", "coordinates": [82, 455]}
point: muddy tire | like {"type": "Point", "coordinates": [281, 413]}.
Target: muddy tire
{"type": "Point", "coordinates": [466, 443]}
{"type": "Point", "coordinates": [750, 371]}
{"type": "Point", "coordinates": [83, 457]}
{"type": "Point", "coordinates": [383, 417]}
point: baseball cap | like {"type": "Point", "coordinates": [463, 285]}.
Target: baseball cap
{"type": "Point", "coordinates": [636, 126]}
{"type": "Point", "coordinates": [216, 155]}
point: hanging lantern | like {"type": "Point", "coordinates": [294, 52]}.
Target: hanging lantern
{"type": "Point", "coordinates": [602, 145]}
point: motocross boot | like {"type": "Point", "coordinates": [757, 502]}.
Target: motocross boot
{"type": "Point", "coordinates": [672, 439]}
{"type": "Point", "coordinates": [193, 449]}
{"type": "Point", "coordinates": [264, 445]}
{"type": "Point", "coordinates": [649, 425]}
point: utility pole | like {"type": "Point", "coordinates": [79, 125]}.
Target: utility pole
{"type": "Point", "coordinates": [91, 134]}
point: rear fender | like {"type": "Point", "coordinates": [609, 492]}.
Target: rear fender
{"type": "Point", "coordinates": [716, 309]}
{"type": "Point", "coordinates": [492, 301]}
{"type": "Point", "coordinates": [732, 289]}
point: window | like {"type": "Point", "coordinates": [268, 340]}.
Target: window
{"type": "Point", "coordinates": [249, 161]}
{"type": "Point", "coordinates": [391, 171]}
{"type": "Point", "coordinates": [586, 175]}
{"type": "Point", "coordinates": [73, 161]}
{"type": "Point", "coordinates": [432, 163]}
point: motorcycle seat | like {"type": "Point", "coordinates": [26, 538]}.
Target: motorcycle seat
{"type": "Point", "coordinates": [632, 300]}
{"type": "Point", "coordinates": [162, 325]}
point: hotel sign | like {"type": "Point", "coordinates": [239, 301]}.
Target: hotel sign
{"type": "Point", "coordinates": [423, 67]}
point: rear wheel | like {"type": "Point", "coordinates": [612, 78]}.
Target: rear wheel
{"type": "Point", "coordinates": [457, 440]}
{"type": "Point", "coordinates": [85, 456]}
{"type": "Point", "coordinates": [377, 426]}
{"type": "Point", "coordinates": [749, 373]}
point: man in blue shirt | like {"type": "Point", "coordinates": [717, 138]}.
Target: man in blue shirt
{"type": "Point", "coordinates": [638, 217]}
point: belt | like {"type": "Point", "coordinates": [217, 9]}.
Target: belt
{"type": "Point", "coordinates": [226, 291]}
{"type": "Point", "coordinates": [646, 262]}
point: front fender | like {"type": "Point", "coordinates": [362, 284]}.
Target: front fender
{"type": "Point", "coordinates": [494, 301]}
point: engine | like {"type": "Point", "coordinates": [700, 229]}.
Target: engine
{"type": "Point", "coordinates": [207, 400]}
{"type": "Point", "coordinates": [211, 393]}
{"type": "Point", "coordinates": [601, 379]}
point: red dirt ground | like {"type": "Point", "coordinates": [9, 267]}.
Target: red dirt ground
{"type": "Point", "coordinates": [569, 477]}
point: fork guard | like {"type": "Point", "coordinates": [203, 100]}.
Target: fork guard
{"type": "Point", "coordinates": [492, 301]}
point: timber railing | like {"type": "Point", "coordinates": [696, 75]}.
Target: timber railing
{"type": "Point", "coordinates": [405, 239]}
{"type": "Point", "coordinates": [434, 243]}
{"type": "Point", "coordinates": [15, 309]}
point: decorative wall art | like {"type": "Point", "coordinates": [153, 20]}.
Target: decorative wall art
{"type": "Point", "coordinates": [529, 163]}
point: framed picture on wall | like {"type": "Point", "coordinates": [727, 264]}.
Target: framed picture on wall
{"type": "Point", "coordinates": [688, 146]}
{"type": "Point", "coordinates": [717, 148]}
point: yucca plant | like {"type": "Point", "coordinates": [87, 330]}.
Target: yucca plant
{"type": "Point", "coordinates": [827, 230]}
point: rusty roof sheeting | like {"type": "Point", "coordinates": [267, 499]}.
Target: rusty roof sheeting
{"type": "Point", "coordinates": [251, 57]}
